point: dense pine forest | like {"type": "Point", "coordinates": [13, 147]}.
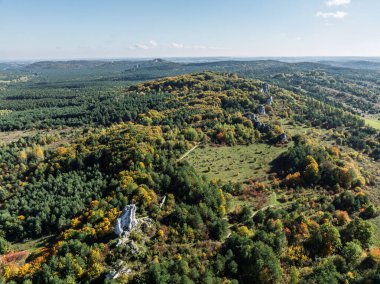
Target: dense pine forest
{"type": "Point", "coordinates": [240, 172]}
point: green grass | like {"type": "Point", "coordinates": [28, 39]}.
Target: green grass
{"type": "Point", "coordinates": [236, 163]}
{"type": "Point", "coordinates": [32, 245]}
{"type": "Point", "coordinates": [273, 199]}
{"type": "Point", "coordinates": [373, 122]}
{"type": "Point", "coordinates": [376, 236]}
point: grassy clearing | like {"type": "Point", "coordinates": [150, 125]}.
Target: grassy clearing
{"type": "Point", "coordinates": [11, 136]}
{"type": "Point", "coordinates": [66, 135]}
{"type": "Point", "coordinates": [32, 245]}
{"type": "Point", "coordinates": [236, 163]}
{"type": "Point", "coordinates": [376, 236]}
{"type": "Point", "coordinates": [373, 122]}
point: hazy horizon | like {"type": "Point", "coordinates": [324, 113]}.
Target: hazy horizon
{"type": "Point", "coordinates": [189, 59]}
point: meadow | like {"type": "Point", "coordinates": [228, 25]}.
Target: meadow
{"type": "Point", "coordinates": [235, 163]}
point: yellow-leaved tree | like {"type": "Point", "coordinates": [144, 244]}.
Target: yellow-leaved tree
{"type": "Point", "coordinates": [311, 173]}
{"type": "Point", "coordinates": [39, 153]}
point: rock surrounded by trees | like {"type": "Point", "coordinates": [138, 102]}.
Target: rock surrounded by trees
{"type": "Point", "coordinates": [265, 88]}
{"type": "Point", "coordinates": [261, 110]}
{"type": "Point", "coordinates": [127, 220]}
{"type": "Point", "coordinates": [270, 100]}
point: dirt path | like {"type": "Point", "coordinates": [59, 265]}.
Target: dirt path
{"type": "Point", "coordinates": [188, 152]}
{"type": "Point", "coordinates": [262, 209]}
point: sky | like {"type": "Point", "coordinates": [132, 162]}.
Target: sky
{"type": "Point", "coordinates": [73, 29]}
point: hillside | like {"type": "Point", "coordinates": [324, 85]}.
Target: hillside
{"type": "Point", "coordinates": [233, 180]}
{"type": "Point", "coordinates": [352, 85]}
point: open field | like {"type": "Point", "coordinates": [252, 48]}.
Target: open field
{"type": "Point", "coordinates": [376, 236]}
{"type": "Point", "coordinates": [236, 163]}
{"type": "Point", "coordinates": [11, 136]}
{"type": "Point", "coordinates": [32, 245]}
{"type": "Point", "coordinates": [7, 137]}
{"type": "Point", "coordinates": [375, 123]}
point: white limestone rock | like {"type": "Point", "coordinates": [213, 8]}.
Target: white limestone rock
{"type": "Point", "coordinates": [270, 100]}
{"type": "Point", "coordinates": [163, 202]}
{"type": "Point", "coordinates": [120, 269]}
{"type": "Point", "coordinates": [127, 220]}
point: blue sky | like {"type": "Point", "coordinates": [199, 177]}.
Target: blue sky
{"type": "Point", "coordinates": [63, 29]}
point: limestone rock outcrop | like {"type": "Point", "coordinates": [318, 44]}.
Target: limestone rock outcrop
{"type": "Point", "coordinates": [120, 269]}
{"type": "Point", "coordinates": [270, 100]}
{"type": "Point", "coordinates": [262, 127]}
{"type": "Point", "coordinates": [261, 110]}
{"type": "Point", "coordinates": [282, 138]}
{"type": "Point", "coordinates": [163, 202]}
{"type": "Point", "coordinates": [126, 221]}
{"type": "Point", "coordinates": [265, 88]}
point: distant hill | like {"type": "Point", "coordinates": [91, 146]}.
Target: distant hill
{"type": "Point", "coordinates": [353, 85]}
{"type": "Point", "coordinates": [359, 64]}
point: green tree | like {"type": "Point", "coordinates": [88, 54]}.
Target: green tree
{"type": "Point", "coordinates": [360, 230]}
{"type": "Point", "coordinates": [4, 246]}
{"type": "Point", "coordinates": [294, 275]}
{"type": "Point", "coordinates": [352, 252]}
{"type": "Point", "coordinates": [324, 273]}
{"type": "Point", "coordinates": [328, 239]}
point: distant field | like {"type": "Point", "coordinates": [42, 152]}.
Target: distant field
{"type": "Point", "coordinates": [11, 136]}
{"type": "Point", "coordinates": [7, 137]}
{"type": "Point", "coordinates": [236, 163]}
{"type": "Point", "coordinates": [376, 237]}
{"type": "Point", "coordinates": [375, 123]}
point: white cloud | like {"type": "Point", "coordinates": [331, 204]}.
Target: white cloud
{"type": "Point", "coordinates": [336, 15]}
{"type": "Point", "coordinates": [153, 43]}
{"type": "Point", "coordinates": [337, 2]}
{"type": "Point", "coordinates": [177, 45]}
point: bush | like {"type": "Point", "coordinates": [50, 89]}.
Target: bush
{"type": "Point", "coordinates": [369, 212]}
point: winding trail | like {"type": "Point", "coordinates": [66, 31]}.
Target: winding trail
{"type": "Point", "coordinates": [262, 209]}
{"type": "Point", "coordinates": [188, 152]}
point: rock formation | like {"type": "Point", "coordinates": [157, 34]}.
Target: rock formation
{"type": "Point", "coordinates": [282, 138]}
{"type": "Point", "coordinates": [251, 116]}
{"type": "Point", "coordinates": [262, 127]}
{"type": "Point", "coordinates": [163, 202]}
{"type": "Point", "coordinates": [127, 220]}
{"type": "Point", "coordinates": [270, 100]}
{"type": "Point", "coordinates": [265, 88]}
{"type": "Point", "coordinates": [120, 270]}
{"type": "Point", "coordinates": [261, 110]}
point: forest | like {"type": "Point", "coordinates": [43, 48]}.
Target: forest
{"type": "Point", "coordinates": [106, 135]}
